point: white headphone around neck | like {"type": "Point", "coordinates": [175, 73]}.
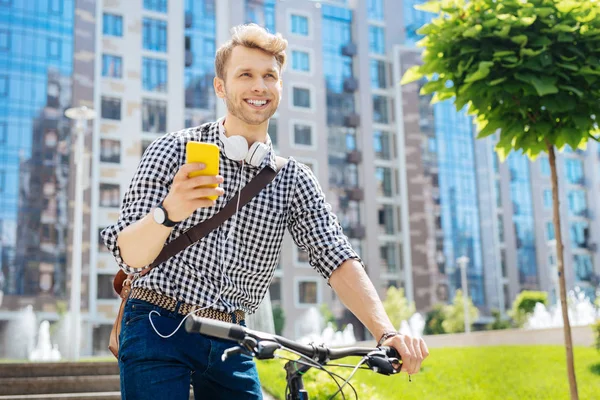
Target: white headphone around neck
{"type": "Point", "coordinates": [236, 148]}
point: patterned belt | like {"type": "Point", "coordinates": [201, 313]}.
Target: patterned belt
{"type": "Point", "coordinates": [169, 303]}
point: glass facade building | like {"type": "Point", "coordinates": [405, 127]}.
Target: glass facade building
{"type": "Point", "coordinates": [36, 66]}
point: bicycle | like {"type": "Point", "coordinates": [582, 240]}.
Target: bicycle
{"type": "Point", "coordinates": [262, 346]}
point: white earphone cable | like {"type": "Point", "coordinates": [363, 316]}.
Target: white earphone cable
{"type": "Point", "coordinates": [222, 265]}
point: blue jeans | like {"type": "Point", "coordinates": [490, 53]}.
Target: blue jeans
{"type": "Point", "coordinates": [155, 368]}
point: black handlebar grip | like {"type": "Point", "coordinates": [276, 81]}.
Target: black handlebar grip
{"type": "Point", "coordinates": [218, 329]}
{"type": "Point", "coordinates": [390, 352]}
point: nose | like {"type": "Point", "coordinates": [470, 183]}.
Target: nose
{"type": "Point", "coordinates": [259, 86]}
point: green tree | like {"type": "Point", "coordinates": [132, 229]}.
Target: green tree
{"type": "Point", "coordinates": [397, 306]}
{"type": "Point", "coordinates": [434, 320]}
{"type": "Point", "coordinates": [454, 314]}
{"type": "Point", "coordinates": [524, 304]}
{"type": "Point", "coordinates": [529, 68]}
{"type": "Point", "coordinates": [278, 319]}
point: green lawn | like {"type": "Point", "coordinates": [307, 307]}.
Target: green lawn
{"type": "Point", "coordinates": [500, 372]}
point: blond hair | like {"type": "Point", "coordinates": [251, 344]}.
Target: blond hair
{"type": "Point", "coordinates": [255, 37]}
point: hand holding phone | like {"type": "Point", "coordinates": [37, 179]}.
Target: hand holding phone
{"type": "Point", "coordinates": [196, 184]}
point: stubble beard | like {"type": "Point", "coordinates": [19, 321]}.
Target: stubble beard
{"type": "Point", "coordinates": [247, 116]}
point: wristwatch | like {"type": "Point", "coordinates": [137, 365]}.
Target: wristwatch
{"type": "Point", "coordinates": [162, 217]}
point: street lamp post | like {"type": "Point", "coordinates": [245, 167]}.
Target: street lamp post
{"type": "Point", "coordinates": [462, 263]}
{"type": "Point", "coordinates": [80, 115]}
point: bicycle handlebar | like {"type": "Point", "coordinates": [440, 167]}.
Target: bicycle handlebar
{"type": "Point", "coordinates": [237, 333]}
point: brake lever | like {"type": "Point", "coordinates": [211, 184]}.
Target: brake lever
{"type": "Point", "coordinates": [233, 351]}
{"type": "Point", "coordinates": [379, 362]}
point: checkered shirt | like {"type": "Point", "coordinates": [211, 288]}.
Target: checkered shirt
{"type": "Point", "coordinates": [294, 199]}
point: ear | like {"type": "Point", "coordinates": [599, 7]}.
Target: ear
{"type": "Point", "coordinates": [219, 86]}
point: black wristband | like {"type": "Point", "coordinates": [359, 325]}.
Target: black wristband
{"type": "Point", "coordinates": [386, 336]}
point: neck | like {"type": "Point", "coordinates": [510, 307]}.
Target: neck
{"type": "Point", "coordinates": [252, 133]}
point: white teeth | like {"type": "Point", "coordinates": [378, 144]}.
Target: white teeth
{"type": "Point", "coordinates": [257, 103]}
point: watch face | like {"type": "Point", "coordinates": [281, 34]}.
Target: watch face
{"type": "Point", "coordinates": [159, 215]}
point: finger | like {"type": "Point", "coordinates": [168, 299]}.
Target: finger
{"type": "Point", "coordinates": [201, 193]}
{"type": "Point", "coordinates": [202, 181]}
{"type": "Point", "coordinates": [418, 354]}
{"type": "Point", "coordinates": [186, 169]}
{"type": "Point", "coordinates": [407, 355]}
{"type": "Point", "coordinates": [424, 348]}
{"type": "Point", "coordinates": [412, 357]}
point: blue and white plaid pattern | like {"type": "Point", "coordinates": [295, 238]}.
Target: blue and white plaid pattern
{"type": "Point", "coordinates": [250, 254]}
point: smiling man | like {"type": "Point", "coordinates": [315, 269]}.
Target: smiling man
{"type": "Point", "coordinates": [226, 275]}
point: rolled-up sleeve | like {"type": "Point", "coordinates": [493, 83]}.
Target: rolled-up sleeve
{"type": "Point", "coordinates": [314, 227]}
{"type": "Point", "coordinates": [149, 186]}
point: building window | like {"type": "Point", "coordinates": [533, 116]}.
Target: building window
{"type": "Point", "coordinates": [577, 202]}
{"type": "Point", "coordinates": [579, 234]}
{"type": "Point", "coordinates": [144, 145]}
{"type": "Point", "coordinates": [4, 40]}
{"type": "Point", "coordinates": [301, 256]}
{"type": "Point", "coordinates": [300, 61]}
{"type": "Point", "coordinates": [303, 135]}
{"type": "Point", "coordinates": [307, 293]}
{"type": "Point", "coordinates": [376, 40]}
{"type": "Point", "coordinates": [154, 116]}
{"type": "Point", "coordinates": [547, 199]}
{"type": "Point", "coordinates": [375, 9]}
{"type": "Point", "coordinates": [2, 180]}
{"type": "Point", "coordinates": [110, 195]}
{"type": "Point", "coordinates": [272, 131]}
{"type": "Point", "coordinates": [500, 228]}
{"type": "Point", "coordinates": [105, 287]}
{"type": "Point", "coordinates": [301, 97]}
{"type": "Point", "coordinates": [299, 25]}
{"type": "Point", "coordinates": [112, 25]}
{"type": "Point", "coordinates": [55, 7]}
{"type": "Point", "coordinates": [380, 110]}
{"type": "Point", "coordinates": [498, 194]}
{"type": "Point", "coordinates": [3, 85]}
{"type": "Point", "coordinates": [154, 75]}
{"type": "Point", "coordinates": [574, 170]}
{"type": "Point", "coordinates": [550, 231]}
{"type": "Point", "coordinates": [383, 145]}
{"type": "Point", "coordinates": [386, 219]}
{"type": "Point", "coordinates": [112, 66]}
{"type": "Point", "coordinates": [583, 267]}
{"type": "Point", "coordinates": [378, 74]}
{"type": "Point", "coordinates": [545, 166]}
{"type": "Point", "coordinates": [111, 108]}
{"type": "Point", "coordinates": [275, 290]}
{"type": "Point", "coordinates": [3, 133]}
{"type": "Point", "coordinates": [110, 151]}
{"type": "Point", "coordinates": [53, 49]}
{"type": "Point", "coordinates": [156, 5]}
{"type": "Point", "coordinates": [155, 34]}
{"type": "Point", "coordinates": [387, 258]}
{"type": "Point", "coordinates": [384, 181]}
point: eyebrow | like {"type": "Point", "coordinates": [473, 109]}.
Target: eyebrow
{"type": "Point", "coordinates": [250, 70]}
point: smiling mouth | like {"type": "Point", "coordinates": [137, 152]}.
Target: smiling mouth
{"type": "Point", "coordinates": [258, 104]}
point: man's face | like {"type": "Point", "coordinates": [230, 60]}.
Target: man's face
{"type": "Point", "coordinates": [252, 87]}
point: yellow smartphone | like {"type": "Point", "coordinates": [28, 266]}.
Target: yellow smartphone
{"type": "Point", "coordinates": [207, 154]}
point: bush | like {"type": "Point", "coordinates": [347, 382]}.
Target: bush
{"type": "Point", "coordinates": [434, 320]}
{"type": "Point", "coordinates": [278, 319]}
{"type": "Point", "coordinates": [498, 323]}
{"type": "Point", "coordinates": [596, 330]}
{"type": "Point", "coordinates": [397, 306]}
{"type": "Point", "coordinates": [454, 314]}
{"type": "Point", "coordinates": [525, 303]}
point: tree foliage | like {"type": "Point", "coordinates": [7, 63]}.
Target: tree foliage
{"type": "Point", "coordinates": [434, 320]}
{"type": "Point", "coordinates": [278, 319]}
{"type": "Point", "coordinates": [524, 304]}
{"type": "Point", "coordinates": [529, 67]}
{"type": "Point", "coordinates": [397, 306]}
{"type": "Point", "coordinates": [454, 314]}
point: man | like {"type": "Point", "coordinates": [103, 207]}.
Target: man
{"type": "Point", "coordinates": [227, 274]}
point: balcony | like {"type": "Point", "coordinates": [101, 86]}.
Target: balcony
{"type": "Point", "coordinates": [349, 50]}
{"type": "Point", "coordinates": [350, 85]}
{"type": "Point", "coordinates": [188, 19]}
{"type": "Point", "coordinates": [189, 58]}
{"type": "Point", "coordinates": [352, 120]}
{"type": "Point", "coordinates": [355, 194]}
{"type": "Point", "coordinates": [354, 157]}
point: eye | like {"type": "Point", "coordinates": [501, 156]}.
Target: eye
{"type": "Point", "coordinates": [245, 74]}
{"type": "Point", "coordinates": [271, 76]}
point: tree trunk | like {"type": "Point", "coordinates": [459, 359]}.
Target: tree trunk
{"type": "Point", "coordinates": [561, 276]}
